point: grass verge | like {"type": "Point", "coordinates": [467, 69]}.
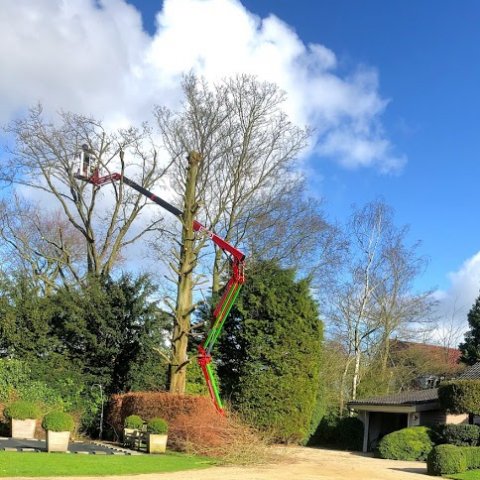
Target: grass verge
{"type": "Point", "coordinates": [470, 475]}
{"type": "Point", "coordinates": [31, 464]}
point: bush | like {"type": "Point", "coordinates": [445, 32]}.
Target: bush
{"type": "Point", "coordinates": [58, 422]}
{"type": "Point", "coordinates": [21, 410]}
{"type": "Point", "coordinates": [412, 443]}
{"type": "Point", "coordinates": [446, 460]}
{"type": "Point", "coordinates": [460, 396]}
{"type": "Point", "coordinates": [158, 426]}
{"type": "Point", "coordinates": [133, 421]}
{"type": "Point", "coordinates": [462, 435]}
{"type": "Point", "coordinates": [341, 432]}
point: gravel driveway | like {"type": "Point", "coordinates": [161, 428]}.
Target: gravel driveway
{"type": "Point", "coordinates": [299, 463]}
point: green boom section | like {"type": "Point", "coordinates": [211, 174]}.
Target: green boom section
{"type": "Point", "coordinates": [213, 382]}
{"type": "Point", "coordinates": [223, 314]}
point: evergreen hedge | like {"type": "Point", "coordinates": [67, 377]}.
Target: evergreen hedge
{"type": "Point", "coordinates": [450, 459]}
{"type": "Point", "coordinates": [22, 410]}
{"type": "Point", "coordinates": [339, 432]}
{"type": "Point", "coordinates": [460, 396]}
{"type": "Point", "coordinates": [412, 443]}
{"type": "Point", "coordinates": [446, 460]}
{"type": "Point", "coordinates": [462, 435]}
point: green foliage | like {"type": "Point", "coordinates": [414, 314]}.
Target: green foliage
{"type": "Point", "coordinates": [14, 374]}
{"type": "Point", "coordinates": [133, 421]}
{"type": "Point", "coordinates": [471, 347]}
{"type": "Point", "coordinates": [462, 435]}
{"type": "Point", "coordinates": [269, 353]}
{"type": "Point", "coordinates": [345, 433]}
{"type": "Point", "coordinates": [412, 443]}
{"type": "Point", "coordinates": [21, 410]}
{"type": "Point", "coordinates": [446, 460]}
{"type": "Point", "coordinates": [58, 421]}
{"type": "Point", "coordinates": [111, 327]}
{"type": "Point", "coordinates": [460, 396]}
{"type": "Point", "coordinates": [158, 426]}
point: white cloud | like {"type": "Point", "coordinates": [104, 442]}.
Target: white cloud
{"type": "Point", "coordinates": [80, 56]}
{"type": "Point", "coordinates": [456, 301]}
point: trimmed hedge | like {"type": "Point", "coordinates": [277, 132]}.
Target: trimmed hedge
{"type": "Point", "coordinates": [461, 435]}
{"type": "Point", "coordinates": [412, 443]}
{"type": "Point", "coordinates": [460, 396]}
{"type": "Point", "coordinates": [446, 460]}
{"type": "Point", "coordinates": [58, 422]}
{"type": "Point", "coordinates": [133, 421]}
{"type": "Point", "coordinates": [21, 410]}
{"type": "Point", "coordinates": [450, 459]}
{"type": "Point", "coordinates": [157, 426]}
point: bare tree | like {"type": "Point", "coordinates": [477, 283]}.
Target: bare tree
{"type": "Point", "coordinates": [246, 189]}
{"type": "Point", "coordinates": [375, 297]}
{"type": "Point", "coordinates": [43, 160]}
{"type": "Point", "coordinates": [46, 248]}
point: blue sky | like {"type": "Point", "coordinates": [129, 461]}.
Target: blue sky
{"type": "Point", "coordinates": [390, 87]}
{"type": "Point", "coordinates": [427, 58]}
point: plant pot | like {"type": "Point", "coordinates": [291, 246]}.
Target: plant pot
{"type": "Point", "coordinates": [156, 443]}
{"type": "Point", "coordinates": [57, 441]}
{"type": "Point", "coordinates": [23, 428]}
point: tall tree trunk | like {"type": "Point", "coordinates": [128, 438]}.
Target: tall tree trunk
{"type": "Point", "coordinates": [187, 261]}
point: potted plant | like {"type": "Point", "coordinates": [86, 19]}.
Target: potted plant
{"type": "Point", "coordinates": [58, 426]}
{"type": "Point", "coordinates": [132, 428]}
{"type": "Point", "coordinates": [23, 418]}
{"type": "Point", "coordinates": [157, 429]}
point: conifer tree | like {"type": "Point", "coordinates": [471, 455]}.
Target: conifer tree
{"type": "Point", "coordinates": [269, 359]}
{"type": "Point", "coordinates": [471, 347]}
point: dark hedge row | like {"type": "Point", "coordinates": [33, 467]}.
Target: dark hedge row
{"type": "Point", "coordinates": [460, 396]}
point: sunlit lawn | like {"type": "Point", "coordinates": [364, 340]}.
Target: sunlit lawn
{"type": "Point", "coordinates": [470, 475]}
{"type": "Point", "coordinates": [31, 464]}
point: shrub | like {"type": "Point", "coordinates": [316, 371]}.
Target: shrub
{"type": "Point", "coordinates": [412, 443]}
{"type": "Point", "coordinates": [57, 421]}
{"type": "Point", "coordinates": [133, 421]}
{"type": "Point", "coordinates": [158, 426]}
{"type": "Point", "coordinates": [462, 435]}
{"type": "Point", "coordinates": [460, 396]}
{"type": "Point", "coordinates": [341, 432]}
{"type": "Point", "coordinates": [21, 410]}
{"type": "Point", "coordinates": [446, 460]}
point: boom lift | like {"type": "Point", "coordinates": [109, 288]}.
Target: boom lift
{"type": "Point", "coordinates": [88, 173]}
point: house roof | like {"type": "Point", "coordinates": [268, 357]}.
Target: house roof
{"type": "Point", "coordinates": [471, 373]}
{"type": "Point", "coordinates": [402, 399]}
{"type": "Point", "coordinates": [451, 356]}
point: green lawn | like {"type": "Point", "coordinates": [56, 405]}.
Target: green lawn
{"type": "Point", "coordinates": [470, 475]}
{"type": "Point", "coordinates": [31, 464]}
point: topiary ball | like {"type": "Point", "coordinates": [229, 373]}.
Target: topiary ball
{"type": "Point", "coordinates": [21, 410]}
{"type": "Point", "coordinates": [158, 426]}
{"type": "Point", "coordinates": [133, 421]}
{"type": "Point", "coordinates": [58, 422]}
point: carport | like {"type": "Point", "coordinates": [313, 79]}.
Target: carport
{"type": "Point", "coordinates": [385, 414]}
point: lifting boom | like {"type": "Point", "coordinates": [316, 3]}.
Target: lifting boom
{"type": "Point", "coordinates": [231, 291]}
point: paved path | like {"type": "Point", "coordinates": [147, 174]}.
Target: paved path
{"type": "Point", "coordinates": [297, 463]}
